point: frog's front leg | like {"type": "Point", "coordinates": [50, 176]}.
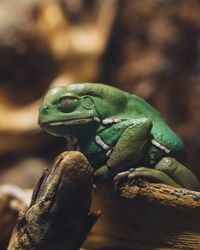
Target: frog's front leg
{"type": "Point", "coordinates": [169, 171]}
{"type": "Point", "coordinates": [128, 150]}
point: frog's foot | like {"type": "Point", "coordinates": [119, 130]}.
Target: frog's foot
{"type": "Point", "coordinates": [123, 175]}
{"type": "Point", "coordinates": [151, 175]}
{"type": "Point", "coordinates": [168, 171]}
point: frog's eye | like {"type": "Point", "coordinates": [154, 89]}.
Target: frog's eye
{"type": "Point", "coordinates": [67, 103]}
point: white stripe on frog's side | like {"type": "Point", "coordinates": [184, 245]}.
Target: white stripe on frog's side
{"type": "Point", "coordinates": [96, 119]}
{"type": "Point", "coordinates": [158, 145]}
{"type": "Point", "coordinates": [109, 152]}
{"type": "Point", "coordinates": [107, 121]}
{"type": "Point", "coordinates": [111, 120]}
{"type": "Point", "coordinates": [101, 143]}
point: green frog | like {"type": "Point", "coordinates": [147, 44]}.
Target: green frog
{"type": "Point", "coordinates": [120, 133]}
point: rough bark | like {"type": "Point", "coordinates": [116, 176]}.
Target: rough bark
{"type": "Point", "coordinates": [146, 216]}
{"type": "Point", "coordinates": [135, 215]}
{"type": "Point", "coordinates": [59, 215]}
{"type": "Point", "coordinates": [12, 200]}
{"type": "Point", "coordinates": [166, 196]}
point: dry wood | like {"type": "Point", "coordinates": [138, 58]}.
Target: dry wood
{"type": "Point", "coordinates": [59, 215]}
{"type": "Point", "coordinates": [166, 196]}
{"type": "Point", "coordinates": [135, 215]}
{"type": "Point", "coordinates": [12, 200]}
{"type": "Point", "coordinates": [146, 216]}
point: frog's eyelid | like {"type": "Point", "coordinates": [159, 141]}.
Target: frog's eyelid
{"type": "Point", "coordinates": [69, 97]}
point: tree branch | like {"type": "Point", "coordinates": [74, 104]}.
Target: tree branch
{"type": "Point", "coordinates": [139, 215]}
{"type": "Point", "coordinates": [146, 216]}
{"type": "Point", "coordinates": [166, 196]}
{"type": "Point", "coordinates": [59, 215]}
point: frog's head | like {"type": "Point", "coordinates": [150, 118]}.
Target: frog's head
{"type": "Point", "coordinates": [69, 110]}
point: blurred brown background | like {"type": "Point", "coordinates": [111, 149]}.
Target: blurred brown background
{"type": "Point", "coordinates": [150, 48]}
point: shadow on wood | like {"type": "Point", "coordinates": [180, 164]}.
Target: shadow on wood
{"type": "Point", "coordinates": [146, 216]}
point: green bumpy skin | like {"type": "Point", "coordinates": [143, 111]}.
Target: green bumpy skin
{"type": "Point", "coordinates": [117, 131]}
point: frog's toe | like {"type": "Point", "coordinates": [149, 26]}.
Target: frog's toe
{"type": "Point", "coordinates": [121, 176]}
{"type": "Point", "coordinates": [144, 174]}
{"type": "Point", "coordinates": [152, 175]}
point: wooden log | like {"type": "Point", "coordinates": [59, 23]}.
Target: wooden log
{"type": "Point", "coordinates": [135, 214]}
{"type": "Point", "coordinates": [12, 200]}
{"type": "Point", "coordinates": [142, 215]}
{"type": "Point", "coordinates": [164, 195]}
{"type": "Point", "coordinates": [59, 215]}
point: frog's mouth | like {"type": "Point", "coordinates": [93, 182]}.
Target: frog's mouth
{"type": "Point", "coordinates": [67, 122]}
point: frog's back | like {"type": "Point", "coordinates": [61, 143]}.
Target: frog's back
{"type": "Point", "coordinates": [161, 132]}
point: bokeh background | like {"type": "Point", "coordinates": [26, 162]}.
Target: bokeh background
{"type": "Point", "coordinates": [150, 48]}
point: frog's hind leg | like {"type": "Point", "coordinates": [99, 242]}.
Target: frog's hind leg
{"type": "Point", "coordinates": [178, 173]}
{"type": "Point", "coordinates": [168, 170]}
